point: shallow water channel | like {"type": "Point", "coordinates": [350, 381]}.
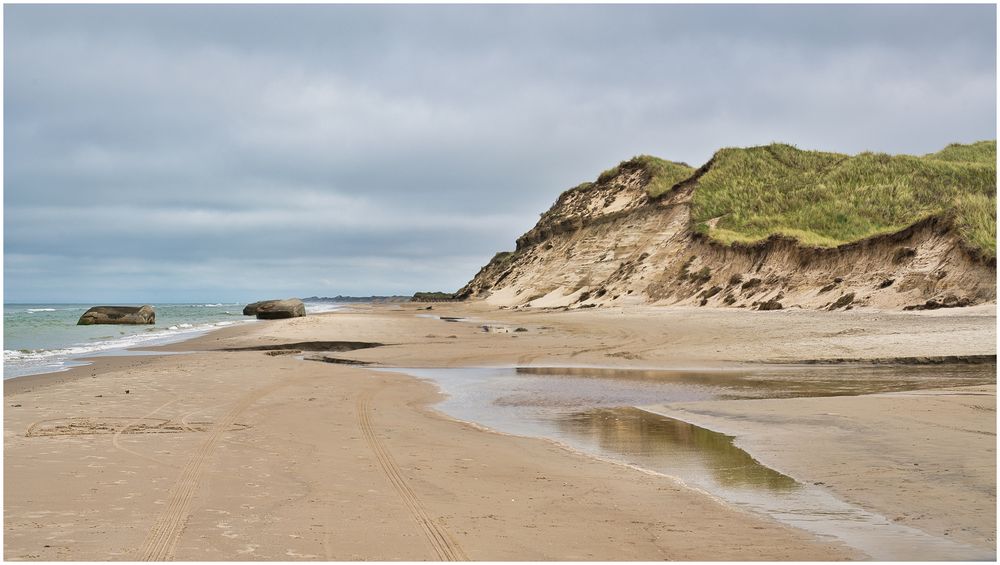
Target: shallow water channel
{"type": "Point", "coordinates": [594, 411]}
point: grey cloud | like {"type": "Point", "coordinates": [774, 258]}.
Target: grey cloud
{"type": "Point", "coordinates": [150, 134]}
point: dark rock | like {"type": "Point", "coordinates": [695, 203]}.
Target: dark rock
{"type": "Point", "coordinates": [279, 309]}
{"type": "Point", "coordinates": [950, 301]}
{"type": "Point", "coordinates": [706, 294]}
{"type": "Point", "coordinates": [118, 315]}
{"type": "Point", "coordinates": [251, 309]}
{"type": "Point", "coordinates": [751, 284]}
{"type": "Point", "coordinates": [772, 304]}
{"type": "Point", "coordinates": [886, 283]}
{"type": "Point", "coordinates": [844, 300]}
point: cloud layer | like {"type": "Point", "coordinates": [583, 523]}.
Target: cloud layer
{"type": "Point", "coordinates": [157, 153]}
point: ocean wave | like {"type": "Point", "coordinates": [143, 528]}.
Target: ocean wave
{"type": "Point", "coordinates": [13, 310]}
{"type": "Point", "coordinates": [321, 307]}
{"type": "Point", "coordinates": [13, 356]}
{"type": "Point", "coordinates": [22, 358]}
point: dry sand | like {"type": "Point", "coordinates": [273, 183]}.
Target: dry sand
{"type": "Point", "coordinates": [216, 455]}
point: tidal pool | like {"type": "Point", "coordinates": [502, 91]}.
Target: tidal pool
{"type": "Point", "coordinates": [596, 411]}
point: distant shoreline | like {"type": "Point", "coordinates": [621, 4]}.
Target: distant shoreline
{"type": "Point", "coordinates": [60, 344]}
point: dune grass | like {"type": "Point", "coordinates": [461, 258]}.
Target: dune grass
{"type": "Point", "coordinates": [663, 174]}
{"type": "Point", "coordinates": [827, 199]}
{"type": "Point", "coordinates": [976, 220]}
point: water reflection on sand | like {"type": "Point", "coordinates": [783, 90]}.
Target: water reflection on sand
{"type": "Point", "coordinates": [646, 438]}
{"type": "Point", "coordinates": [593, 410]}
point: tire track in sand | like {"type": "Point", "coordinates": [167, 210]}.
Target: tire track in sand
{"type": "Point", "coordinates": [444, 546]}
{"type": "Point", "coordinates": [160, 542]}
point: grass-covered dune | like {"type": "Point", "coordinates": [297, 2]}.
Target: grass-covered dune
{"type": "Point", "coordinates": [663, 174]}
{"type": "Point", "coordinates": [828, 199]}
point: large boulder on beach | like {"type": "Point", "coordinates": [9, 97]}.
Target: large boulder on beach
{"type": "Point", "coordinates": [277, 309]}
{"type": "Point", "coordinates": [251, 309]}
{"type": "Point", "coordinates": [118, 315]}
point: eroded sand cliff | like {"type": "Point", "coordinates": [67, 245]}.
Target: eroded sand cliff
{"type": "Point", "coordinates": [610, 242]}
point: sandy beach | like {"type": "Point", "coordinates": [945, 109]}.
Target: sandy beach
{"type": "Point", "coordinates": [489, 282]}
{"type": "Point", "coordinates": [213, 453]}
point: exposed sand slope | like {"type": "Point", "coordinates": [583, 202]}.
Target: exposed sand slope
{"type": "Point", "coordinates": [611, 243]}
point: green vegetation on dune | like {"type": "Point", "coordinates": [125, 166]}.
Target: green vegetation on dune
{"type": "Point", "coordinates": [827, 199]}
{"type": "Point", "coordinates": [978, 152]}
{"type": "Point", "coordinates": [663, 174]}
{"type": "Point", "coordinates": [976, 220]}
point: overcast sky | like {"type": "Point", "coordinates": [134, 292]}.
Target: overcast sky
{"type": "Point", "coordinates": [175, 153]}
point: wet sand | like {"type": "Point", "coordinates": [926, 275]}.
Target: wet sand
{"type": "Point", "coordinates": [923, 458]}
{"type": "Point", "coordinates": [582, 408]}
{"type": "Point", "coordinates": [245, 455]}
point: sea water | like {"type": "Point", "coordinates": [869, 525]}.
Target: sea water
{"type": "Point", "coordinates": [44, 338]}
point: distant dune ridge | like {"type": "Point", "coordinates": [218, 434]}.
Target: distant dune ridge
{"type": "Point", "coordinates": [766, 228]}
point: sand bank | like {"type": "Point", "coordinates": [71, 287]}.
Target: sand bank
{"type": "Point", "coordinates": [245, 455]}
